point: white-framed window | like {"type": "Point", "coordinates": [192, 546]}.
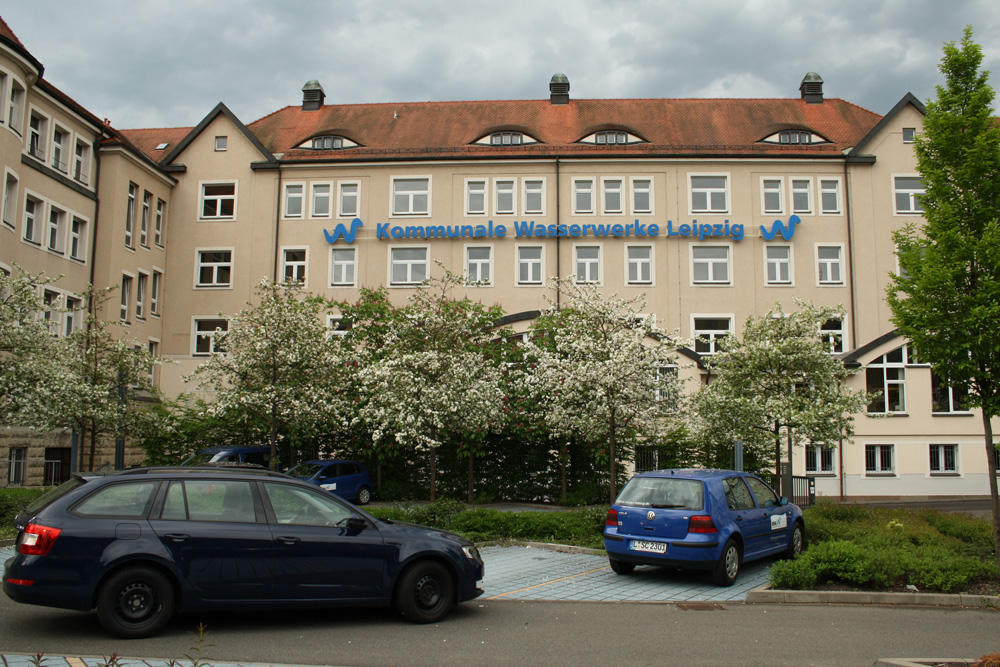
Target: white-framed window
{"type": "Point", "coordinates": [78, 239]}
{"type": "Point", "coordinates": [779, 264]}
{"type": "Point", "coordinates": [479, 264]}
{"type": "Point", "coordinates": [906, 192]}
{"type": "Point", "coordinates": [819, 460]}
{"type": "Point", "coordinates": [828, 265]}
{"type": "Point", "coordinates": [81, 162]}
{"type": "Point", "coordinates": [772, 196]}
{"type": "Point", "coordinates": [161, 219]}
{"type": "Point", "coordinates": [31, 230]}
{"type": "Point", "coordinates": [55, 230]}
{"type": "Point", "coordinates": [504, 196]}
{"type": "Point", "coordinates": [337, 325]}
{"type": "Point", "coordinates": [534, 196]}
{"type": "Point", "coordinates": [943, 459]}
{"type": "Point", "coordinates": [322, 195]}
{"type": "Point", "coordinates": [73, 315]}
{"type": "Point", "coordinates": [147, 211]}
{"type": "Point", "coordinates": [10, 199]}
{"type": "Point", "coordinates": [126, 298]}
{"type": "Point", "coordinates": [204, 333]}
{"type": "Point", "coordinates": [294, 200]}
{"type": "Point", "coordinates": [642, 196]}
{"type": "Point", "coordinates": [343, 267]}
{"type": "Point", "coordinates": [293, 265]}
{"type": "Point", "coordinates": [880, 460]}
{"type": "Point", "coordinates": [833, 334]}
{"type": "Point", "coordinates": [639, 265]}
{"type": "Point", "coordinates": [587, 259]}
{"type": "Point", "coordinates": [583, 196]}
{"type": "Point", "coordinates": [60, 139]}
{"type": "Point", "coordinates": [130, 206]}
{"type": "Point", "coordinates": [155, 286]}
{"type": "Point", "coordinates": [710, 264]}
{"type": "Point", "coordinates": [612, 199]}
{"type": "Point", "coordinates": [15, 106]}
{"type": "Point", "coordinates": [709, 193]}
{"type": "Point", "coordinates": [411, 196]}
{"type": "Point", "coordinates": [52, 314]}
{"type": "Point", "coordinates": [529, 264]}
{"type": "Point", "coordinates": [829, 196]}
{"type": "Point", "coordinates": [153, 347]}
{"type": "Point", "coordinates": [141, 280]}
{"type": "Point", "coordinates": [37, 131]}
{"type": "Point", "coordinates": [221, 143]}
{"type": "Point", "coordinates": [214, 267]}
{"type": "Point", "coordinates": [476, 196]}
{"type": "Point", "coordinates": [802, 195]}
{"type": "Point", "coordinates": [408, 265]}
{"type": "Point", "coordinates": [349, 199]}
{"type": "Point", "coordinates": [887, 376]}
{"type": "Point", "coordinates": [948, 400]}
{"type": "Point", "coordinates": [218, 201]}
{"type": "Point", "coordinates": [707, 330]}
{"type": "Point", "coordinates": [909, 134]}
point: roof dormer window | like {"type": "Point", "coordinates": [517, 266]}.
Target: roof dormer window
{"type": "Point", "coordinates": [611, 138]}
{"type": "Point", "coordinates": [327, 142]}
{"type": "Point", "coordinates": [795, 137]}
{"type": "Point", "coordinates": [507, 138]}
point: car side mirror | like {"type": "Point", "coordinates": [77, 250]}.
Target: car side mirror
{"type": "Point", "coordinates": [356, 524]}
{"type": "Point", "coordinates": [783, 501]}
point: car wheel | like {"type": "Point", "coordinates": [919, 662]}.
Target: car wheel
{"type": "Point", "coordinates": [364, 495]}
{"type": "Point", "coordinates": [621, 567]}
{"type": "Point", "coordinates": [135, 602]}
{"type": "Point", "coordinates": [425, 592]}
{"type": "Point", "coordinates": [796, 541]}
{"type": "Point", "coordinates": [728, 567]}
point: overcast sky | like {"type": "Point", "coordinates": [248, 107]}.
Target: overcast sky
{"type": "Point", "coordinates": [153, 63]}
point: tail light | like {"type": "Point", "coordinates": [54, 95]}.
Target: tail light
{"type": "Point", "coordinates": [38, 539]}
{"type": "Point", "coordinates": [612, 519]}
{"type": "Point", "coordinates": [701, 523]}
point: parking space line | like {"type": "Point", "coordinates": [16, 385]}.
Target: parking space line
{"type": "Point", "coordinates": [547, 583]}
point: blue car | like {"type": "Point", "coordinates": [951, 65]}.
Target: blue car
{"type": "Point", "coordinates": [348, 479]}
{"type": "Point", "coordinates": [245, 455]}
{"type": "Point", "coordinates": [700, 519]}
{"type": "Point", "coordinates": [140, 544]}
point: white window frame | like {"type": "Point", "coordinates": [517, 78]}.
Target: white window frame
{"type": "Point", "coordinates": [879, 469]}
{"type": "Point", "coordinates": [59, 161]}
{"type": "Point", "coordinates": [77, 241]}
{"type": "Point", "coordinates": [126, 297]}
{"type": "Point", "coordinates": [293, 192]}
{"type": "Point", "coordinates": [708, 192]}
{"type": "Point", "coordinates": [342, 198]}
{"type": "Point", "coordinates": [16, 105]}
{"type": "Point", "coordinates": [531, 263]}
{"type": "Point", "coordinates": [480, 189]}
{"type": "Point", "coordinates": [36, 216]}
{"type": "Point", "coordinates": [199, 264]}
{"type": "Point", "coordinates": [635, 189]}
{"type": "Point", "coordinates": [218, 199]}
{"type": "Point", "coordinates": [583, 186]}
{"type": "Point", "coordinates": [340, 266]}
{"type": "Point", "coordinates": [713, 263]}
{"type": "Point", "coordinates": [197, 333]}
{"type": "Point", "coordinates": [504, 188]}
{"type": "Point", "coordinates": [315, 196]}
{"type": "Point", "coordinates": [710, 333]}
{"type": "Point", "coordinates": [787, 262]}
{"type": "Point", "coordinates": [53, 301]}
{"type": "Point", "coordinates": [827, 264]}
{"type": "Point", "coordinates": [158, 225]}
{"type": "Point", "coordinates": [410, 210]}
{"type": "Point", "coordinates": [72, 316]}
{"type": "Point", "coordinates": [81, 161]}
{"type": "Point", "coordinates": [335, 325]}
{"type": "Point", "coordinates": [779, 192]}
{"type": "Point", "coordinates": [155, 287]}
{"type": "Point", "coordinates": [409, 265]}
{"type": "Point", "coordinates": [37, 137]}
{"type": "Point", "coordinates": [141, 283]}
{"type": "Point", "coordinates": [829, 336]}
{"type": "Point", "coordinates": [591, 266]}
{"type": "Point", "coordinates": [299, 266]}
{"type": "Point", "coordinates": [799, 189]}
{"type": "Point", "coordinates": [474, 277]}
{"type": "Point", "coordinates": [221, 143]}
{"type": "Point", "coordinates": [911, 195]}
{"type": "Point", "coordinates": [938, 460]}
{"type": "Point", "coordinates": [130, 208]}
{"type": "Point", "coordinates": [608, 189]}
{"type": "Point", "coordinates": [10, 198]}
{"type": "Point", "coordinates": [529, 188]}
{"type": "Point", "coordinates": [55, 230]}
{"type": "Point", "coordinates": [823, 191]}
{"type": "Point", "coordinates": [909, 134]}
{"type": "Point", "coordinates": [938, 384]}
{"type": "Point", "coordinates": [819, 467]}
{"type": "Point", "coordinates": [147, 210]}
{"type": "Point", "coordinates": [883, 365]}
{"type": "Point", "coordinates": [640, 263]}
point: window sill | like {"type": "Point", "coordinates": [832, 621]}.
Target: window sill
{"type": "Point", "coordinates": [209, 287]}
{"type": "Point", "coordinates": [952, 414]}
{"type": "Point", "coordinates": [946, 474]}
{"type": "Point", "coordinates": [888, 414]}
{"type": "Point", "coordinates": [831, 475]}
{"type": "Point", "coordinates": [880, 474]}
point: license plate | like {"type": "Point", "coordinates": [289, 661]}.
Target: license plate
{"type": "Point", "coordinates": [654, 547]}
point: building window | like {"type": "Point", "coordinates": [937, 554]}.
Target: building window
{"type": "Point", "coordinates": [153, 347]}
{"type": "Point", "coordinates": [294, 194]}
{"type": "Point", "coordinates": [51, 314]}
{"type": "Point", "coordinates": [154, 293]}
{"type": "Point", "coordinates": [205, 334]}
{"type": "Point", "coordinates": [887, 376]}
{"type": "Point", "coordinates": [506, 139]}
{"type": "Point", "coordinates": [214, 268]}
{"type": "Point", "coordinates": [907, 191]}
{"type": "Point", "coordinates": [640, 264]}
{"type": "Point", "coordinates": [610, 137]}
{"type": "Point", "coordinates": [832, 335]}
{"type": "Point", "coordinates": [504, 197]}
{"type": "Point", "coordinates": [15, 112]}
{"type": "Point", "coordinates": [408, 266]}
{"type": "Point", "coordinates": [218, 201]}
{"type": "Point", "coordinates": [801, 195]}
{"type": "Point", "coordinates": [411, 196]}
{"type": "Point", "coordinates": [133, 194]}
{"type": "Point", "coordinates": [819, 460]}
{"type": "Point", "coordinates": [321, 197]}
{"type": "Point", "coordinates": [31, 231]}
{"type": "Point", "coordinates": [73, 312]}
{"type": "Point", "coordinates": [795, 137]}
{"type": "Point", "coordinates": [709, 194]}
{"type": "Point", "coordinates": [342, 267]}
{"type": "Point", "coordinates": [944, 459]}
{"type": "Point", "coordinates": [161, 218]}
{"type": "Point", "coordinates": [59, 138]}
{"type": "Point", "coordinates": [588, 263]}
{"type": "Point", "coordinates": [878, 460]}
{"type": "Point", "coordinates": [479, 264]}
{"type": "Point", "coordinates": [54, 233]}
{"type": "Point", "coordinates": [534, 196]}
{"type": "Point", "coordinates": [583, 196]}
{"type": "Point", "coordinates": [10, 200]}
{"type": "Point", "coordinates": [81, 162]}
{"type": "Point", "coordinates": [77, 238]}
{"type": "Point", "coordinates": [475, 197]}
{"type": "Point", "coordinates": [909, 134]}
{"type": "Point", "coordinates": [147, 209]}
{"type": "Point", "coordinates": [779, 264]}
{"type": "Point", "coordinates": [36, 135]}
{"type": "Point", "coordinates": [350, 197]}
{"type": "Point", "coordinates": [829, 196]}
{"type": "Point", "coordinates": [17, 458]}
{"type": "Point", "coordinates": [642, 195]}
{"type": "Point", "coordinates": [708, 331]}
{"type": "Point", "coordinates": [945, 399]}
{"type": "Point", "coordinates": [773, 199]}
{"type": "Point", "coordinates": [221, 143]}
{"type": "Point", "coordinates": [612, 196]}
{"type": "Point", "coordinates": [294, 265]}
{"type": "Point", "coordinates": [126, 298]}
{"type": "Point", "coordinates": [710, 264]}
{"type": "Point", "coordinates": [529, 265]}
{"type": "Point", "coordinates": [338, 325]}
{"type": "Point", "coordinates": [828, 263]}
{"type": "Point", "coordinates": [328, 142]}
{"type": "Point", "coordinates": [140, 296]}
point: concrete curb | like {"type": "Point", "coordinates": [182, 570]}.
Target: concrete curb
{"type": "Point", "coordinates": [924, 662]}
{"type": "Point", "coordinates": [767, 595]}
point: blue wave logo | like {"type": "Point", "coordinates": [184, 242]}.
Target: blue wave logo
{"type": "Point", "coordinates": [786, 231]}
{"type": "Point", "coordinates": [341, 231]}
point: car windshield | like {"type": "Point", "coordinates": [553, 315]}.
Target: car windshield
{"type": "Point", "coordinates": [665, 492]}
{"type": "Point", "coordinates": [305, 470]}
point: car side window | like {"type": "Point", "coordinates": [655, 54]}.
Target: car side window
{"type": "Point", "coordinates": [128, 500]}
{"type": "Point", "coordinates": [737, 494]}
{"type": "Point", "coordinates": [257, 459]}
{"type": "Point", "coordinates": [304, 507]}
{"type": "Point", "coordinates": [209, 500]}
{"type": "Point", "coordinates": [349, 469]}
{"type": "Point", "coordinates": [765, 496]}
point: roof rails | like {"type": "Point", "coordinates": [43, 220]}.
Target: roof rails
{"type": "Point", "coordinates": [203, 468]}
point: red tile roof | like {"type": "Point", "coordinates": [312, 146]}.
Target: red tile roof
{"type": "Point", "coordinates": [147, 140]}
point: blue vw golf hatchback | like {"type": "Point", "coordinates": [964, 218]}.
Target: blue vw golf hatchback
{"type": "Point", "coordinates": [700, 519]}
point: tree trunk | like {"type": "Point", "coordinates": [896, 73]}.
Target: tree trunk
{"type": "Point", "coordinates": [472, 478]}
{"type": "Point", "coordinates": [991, 466]}
{"type": "Point", "coordinates": [93, 448]}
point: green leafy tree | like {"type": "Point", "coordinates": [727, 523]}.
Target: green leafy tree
{"type": "Point", "coordinates": [946, 298]}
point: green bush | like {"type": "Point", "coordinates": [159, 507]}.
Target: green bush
{"type": "Point", "coordinates": [11, 502]}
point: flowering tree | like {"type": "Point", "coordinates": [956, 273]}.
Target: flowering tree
{"type": "Point", "coordinates": [279, 367]}
{"type": "Point", "coordinates": [601, 369]}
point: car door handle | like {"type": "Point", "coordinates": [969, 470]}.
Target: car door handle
{"type": "Point", "coordinates": [739, 517]}
{"type": "Point", "coordinates": [176, 537]}
{"type": "Point", "coordinates": [289, 540]}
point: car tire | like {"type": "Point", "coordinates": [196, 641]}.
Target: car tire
{"type": "Point", "coordinates": [135, 602]}
{"type": "Point", "coordinates": [728, 567]}
{"type": "Point", "coordinates": [796, 541]}
{"type": "Point", "coordinates": [425, 592]}
{"type": "Point", "coordinates": [621, 567]}
{"type": "Point", "coordinates": [364, 495]}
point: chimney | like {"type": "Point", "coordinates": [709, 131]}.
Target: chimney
{"type": "Point", "coordinates": [312, 96]}
{"type": "Point", "coordinates": [812, 88]}
{"type": "Point", "coordinates": [559, 89]}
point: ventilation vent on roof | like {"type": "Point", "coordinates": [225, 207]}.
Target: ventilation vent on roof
{"type": "Point", "coordinates": [812, 88]}
{"type": "Point", "coordinates": [312, 96]}
{"type": "Point", "coordinates": [559, 89]}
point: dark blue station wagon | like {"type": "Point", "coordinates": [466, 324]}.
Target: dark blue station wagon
{"type": "Point", "coordinates": [140, 544]}
{"type": "Point", "coordinates": [700, 519]}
